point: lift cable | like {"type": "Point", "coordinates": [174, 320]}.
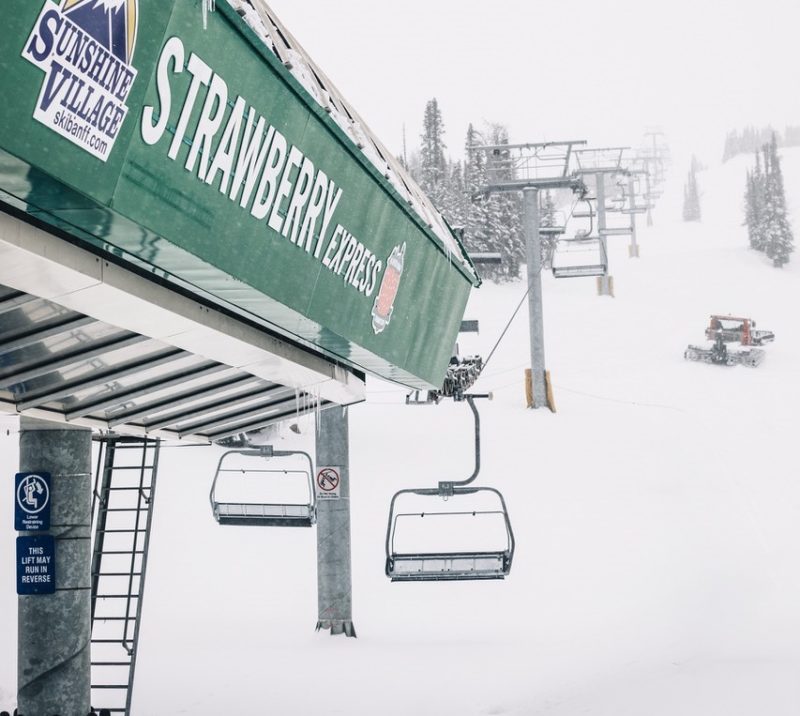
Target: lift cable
{"type": "Point", "coordinates": [522, 300]}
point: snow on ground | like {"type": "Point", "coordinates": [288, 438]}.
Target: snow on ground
{"type": "Point", "coordinates": [656, 517]}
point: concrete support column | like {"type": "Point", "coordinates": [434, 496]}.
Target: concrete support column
{"type": "Point", "coordinates": [334, 576]}
{"type": "Point", "coordinates": [530, 227]}
{"type": "Point", "coordinates": [53, 669]}
{"type": "Point", "coordinates": [604, 283]}
{"type": "Point", "coordinates": [633, 248]}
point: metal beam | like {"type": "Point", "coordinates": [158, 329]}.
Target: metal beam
{"type": "Point", "coordinates": [177, 399]}
{"type": "Point", "coordinates": [23, 339]}
{"type": "Point", "coordinates": [209, 408]}
{"type": "Point", "coordinates": [255, 411]}
{"type": "Point", "coordinates": [573, 183]}
{"type": "Point", "coordinates": [67, 358]}
{"type": "Point", "coordinates": [529, 145]}
{"type": "Point", "coordinates": [15, 300]}
{"type": "Point", "coordinates": [258, 424]}
{"type": "Point", "coordinates": [37, 398]}
{"type": "Point", "coordinates": [151, 386]}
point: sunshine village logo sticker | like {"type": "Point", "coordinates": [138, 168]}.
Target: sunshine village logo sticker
{"type": "Point", "coordinates": [85, 49]}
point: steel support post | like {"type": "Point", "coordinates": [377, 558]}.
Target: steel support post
{"type": "Point", "coordinates": [530, 223]}
{"type": "Point", "coordinates": [53, 664]}
{"type": "Point", "coordinates": [633, 249]}
{"type": "Point", "coordinates": [334, 575]}
{"type": "Point", "coordinates": [604, 283]}
{"type": "Point", "coordinates": [647, 194]}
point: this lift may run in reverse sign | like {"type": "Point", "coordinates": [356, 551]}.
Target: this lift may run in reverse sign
{"type": "Point", "coordinates": [328, 483]}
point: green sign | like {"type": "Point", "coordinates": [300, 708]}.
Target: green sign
{"type": "Point", "coordinates": [196, 156]}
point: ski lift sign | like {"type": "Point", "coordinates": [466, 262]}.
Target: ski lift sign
{"type": "Point", "coordinates": [36, 564]}
{"type": "Point", "coordinates": [329, 482]}
{"type": "Point", "coordinates": [32, 501]}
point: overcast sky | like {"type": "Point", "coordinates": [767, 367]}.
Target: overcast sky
{"type": "Point", "coordinates": [562, 69]}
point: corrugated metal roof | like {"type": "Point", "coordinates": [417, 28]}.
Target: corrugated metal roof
{"type": "Point", "coordinates": [60, 364]}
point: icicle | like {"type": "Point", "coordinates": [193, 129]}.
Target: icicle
{"type": "Point", "coordinates": [317, 407]}
{"type": "Point", "coordinates": [208, 6]}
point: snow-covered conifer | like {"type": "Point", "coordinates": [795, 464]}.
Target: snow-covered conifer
{"type": "Point", "coordinates": [691, 199]}
{"type": "Point", "coordinates": [432, 162]}
{"type": "Point", "coordinates": [778, 241]}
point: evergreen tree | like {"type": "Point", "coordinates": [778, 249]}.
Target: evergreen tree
{"type": "Point", "coordinates": [456, 200]}
{"type": "Point", "coordinates": [751, 210]}
{"type": "Point", "coordinates": [778, 240]}
{"type": "Point", "coordinates": [759, 199]}
{"type": "Point", "coordinates": [505, 209]}
{"type": "Point", "coordinates": [691, 199]}
{"type": "Point", "coordinates": [432, 163]}
{"type": "Point", "coordinates": [478, 232]}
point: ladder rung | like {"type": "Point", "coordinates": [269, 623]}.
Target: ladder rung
{"type": "Point", "coordinates": [124, 509]}
{"type": "Point", "coordinates": [107, 641]}
{"type": "Point", "coordinates": [116, 574]}
{"type": "Point", "coordinates": [118, 489]}
{"type": "Point", "coordinates": [130, 467]}
{"type": "Point", "coordinates": [111, 663]}
{"type": "Point", "coordinates": [141, 529]}
{"type": "Point", "coordinates": [121, 551]}
{"type": "Point", "coordinates": [114, 619]}
{"type": "Point", "coordinates": [109, 686]}
{"type": "Point", "coordinates": [115, 596]}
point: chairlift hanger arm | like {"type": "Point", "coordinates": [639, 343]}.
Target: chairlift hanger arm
{"type": "Point", "coordinates": [446, 487]}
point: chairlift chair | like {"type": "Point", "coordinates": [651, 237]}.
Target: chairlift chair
{"type": "Point", "coordinates": [587, 213]}
{"type": "Point", "coordinates": [260, 513]}
{"type": "Point", "coordinates": [437, 565]}
{"type": "Point", "coordinates": [615, 231]}
{"type": "Point", "coordinates": [579, 257]}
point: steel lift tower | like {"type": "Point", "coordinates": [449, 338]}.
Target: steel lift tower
{"type": "Point", "coordinates": [600, 163]}
{"type": "Point", "coordinates": [529, 168]}
{"type": "Point", "coordinates": [654, 157]}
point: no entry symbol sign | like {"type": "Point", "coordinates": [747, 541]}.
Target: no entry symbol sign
{"type": "Point", "coordinates": [328, 483]}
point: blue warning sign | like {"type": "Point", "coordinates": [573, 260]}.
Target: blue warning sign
{"type": "Point", "coordinates": [32, 501]}
{"type": "Point", "coordinates": [36, 564]}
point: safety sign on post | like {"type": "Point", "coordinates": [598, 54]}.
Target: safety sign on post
{"type": "Point", "coordinates": [32, 501]}
{"type": "Point", "coordinates": [328, 483]}
{"type": "Point", "coordinates": [36, 564]}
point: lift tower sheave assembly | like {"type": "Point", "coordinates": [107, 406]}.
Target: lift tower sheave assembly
{"type": "Point", "coordinates": [530, 168]}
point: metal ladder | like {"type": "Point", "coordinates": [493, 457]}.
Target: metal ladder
{"type": "Point", "coordinates": [122, 508]}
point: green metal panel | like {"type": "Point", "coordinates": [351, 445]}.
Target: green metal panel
{"type": "Point", "coordinates": [156, 211]}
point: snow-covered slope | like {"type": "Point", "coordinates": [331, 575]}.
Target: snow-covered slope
{"type": "Point", "coordinates": [656, 517]}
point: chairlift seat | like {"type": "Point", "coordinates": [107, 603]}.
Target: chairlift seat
{"type": "Point", "coordinates": [580, 271]}
{"type": "Point", "coordinates": [441, 567]}
{"type": "Point", "coordinates": [264, 515]}
{"type": "Point", "coordinates": [580, 257]}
